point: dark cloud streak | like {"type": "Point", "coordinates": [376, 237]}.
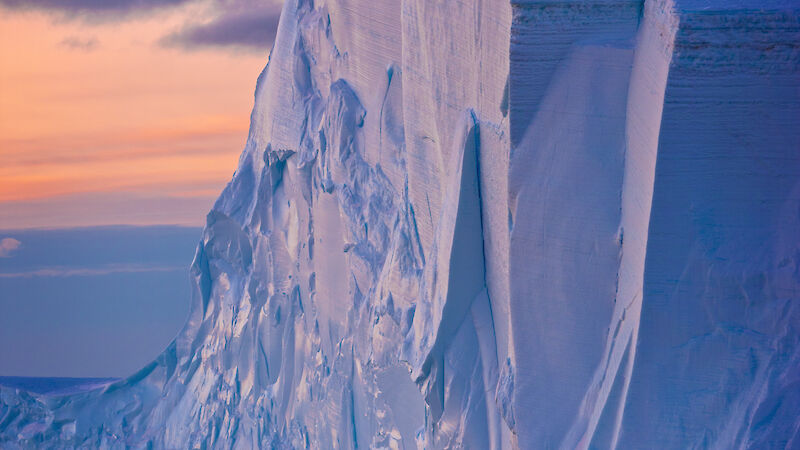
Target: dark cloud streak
{"type": "Point", "coordinates": [248, 29]}
{"type": "Point", "coordinates": [77, 43]}
{"type": "Point", "coordinates": [90, 8]}
{"type": "Point", "coordinates": [238, 24]}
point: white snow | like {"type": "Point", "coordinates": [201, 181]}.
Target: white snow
{"type": "Point", "coordinates": [484, 224]}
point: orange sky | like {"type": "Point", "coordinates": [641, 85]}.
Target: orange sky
{"type": "Point", "coordinates": [125, 131]}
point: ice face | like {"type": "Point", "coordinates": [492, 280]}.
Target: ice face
{"type": "Point", "coordinates": [490, 225]}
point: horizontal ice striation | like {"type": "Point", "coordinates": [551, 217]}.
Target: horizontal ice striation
{"type": "Point", "coordinates": [481, 224]}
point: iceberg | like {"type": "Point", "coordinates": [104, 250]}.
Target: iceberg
{"type": "Point", "coordinates": [490, 224]}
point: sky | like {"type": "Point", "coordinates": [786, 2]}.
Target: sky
{"type": "Point", "coordinates": [114, 112]}
{"type": "Point", "coordinates": [124, 111]}
{"type": "Point", "coordinates": [92, 302]}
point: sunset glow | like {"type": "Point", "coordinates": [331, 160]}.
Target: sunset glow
{"type": "Point", "coordinates": [98, 115]}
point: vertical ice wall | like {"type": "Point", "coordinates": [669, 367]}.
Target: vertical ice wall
{"type": "Point", "coordinates": [484, 224]}
{"type": "Point", "coordinates": [650, 227]}
{"type": "Point", "coordinates": [720, 317]}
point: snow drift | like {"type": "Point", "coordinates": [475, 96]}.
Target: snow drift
{"type": "Point", "coordinates": [484, 224]}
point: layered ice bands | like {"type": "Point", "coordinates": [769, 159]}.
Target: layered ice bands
{"type": "Point", "coordinates": [482, 224]}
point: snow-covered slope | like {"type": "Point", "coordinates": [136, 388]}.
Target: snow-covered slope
{"type": "Point", "coordinates": [484, 224]}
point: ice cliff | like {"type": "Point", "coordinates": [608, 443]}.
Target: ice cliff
{"type": "Point", "coordinates": [483, 224]}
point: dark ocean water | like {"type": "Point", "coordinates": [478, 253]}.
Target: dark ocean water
{"type": "Point", "coordinates": [55, 385]}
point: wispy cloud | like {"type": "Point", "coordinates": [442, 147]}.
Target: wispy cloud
{"type": "Point", "coordinates": [146, 161]}
{"type": "Point", "coordinates": [248, 28]}
{"type": "Point", "coordinates": [77, 43]}
{"type": "Point", "coordinates": [8, 246]}
{"type": "Point", "coordinates": [110, 208]}
{"type": "Point", "coordinates": [20, 154]}
{"type": "Point", "coordinates": [105, 270]}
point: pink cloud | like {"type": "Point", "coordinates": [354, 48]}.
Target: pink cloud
{"type": "Point", "coordinates": [8, 246]}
